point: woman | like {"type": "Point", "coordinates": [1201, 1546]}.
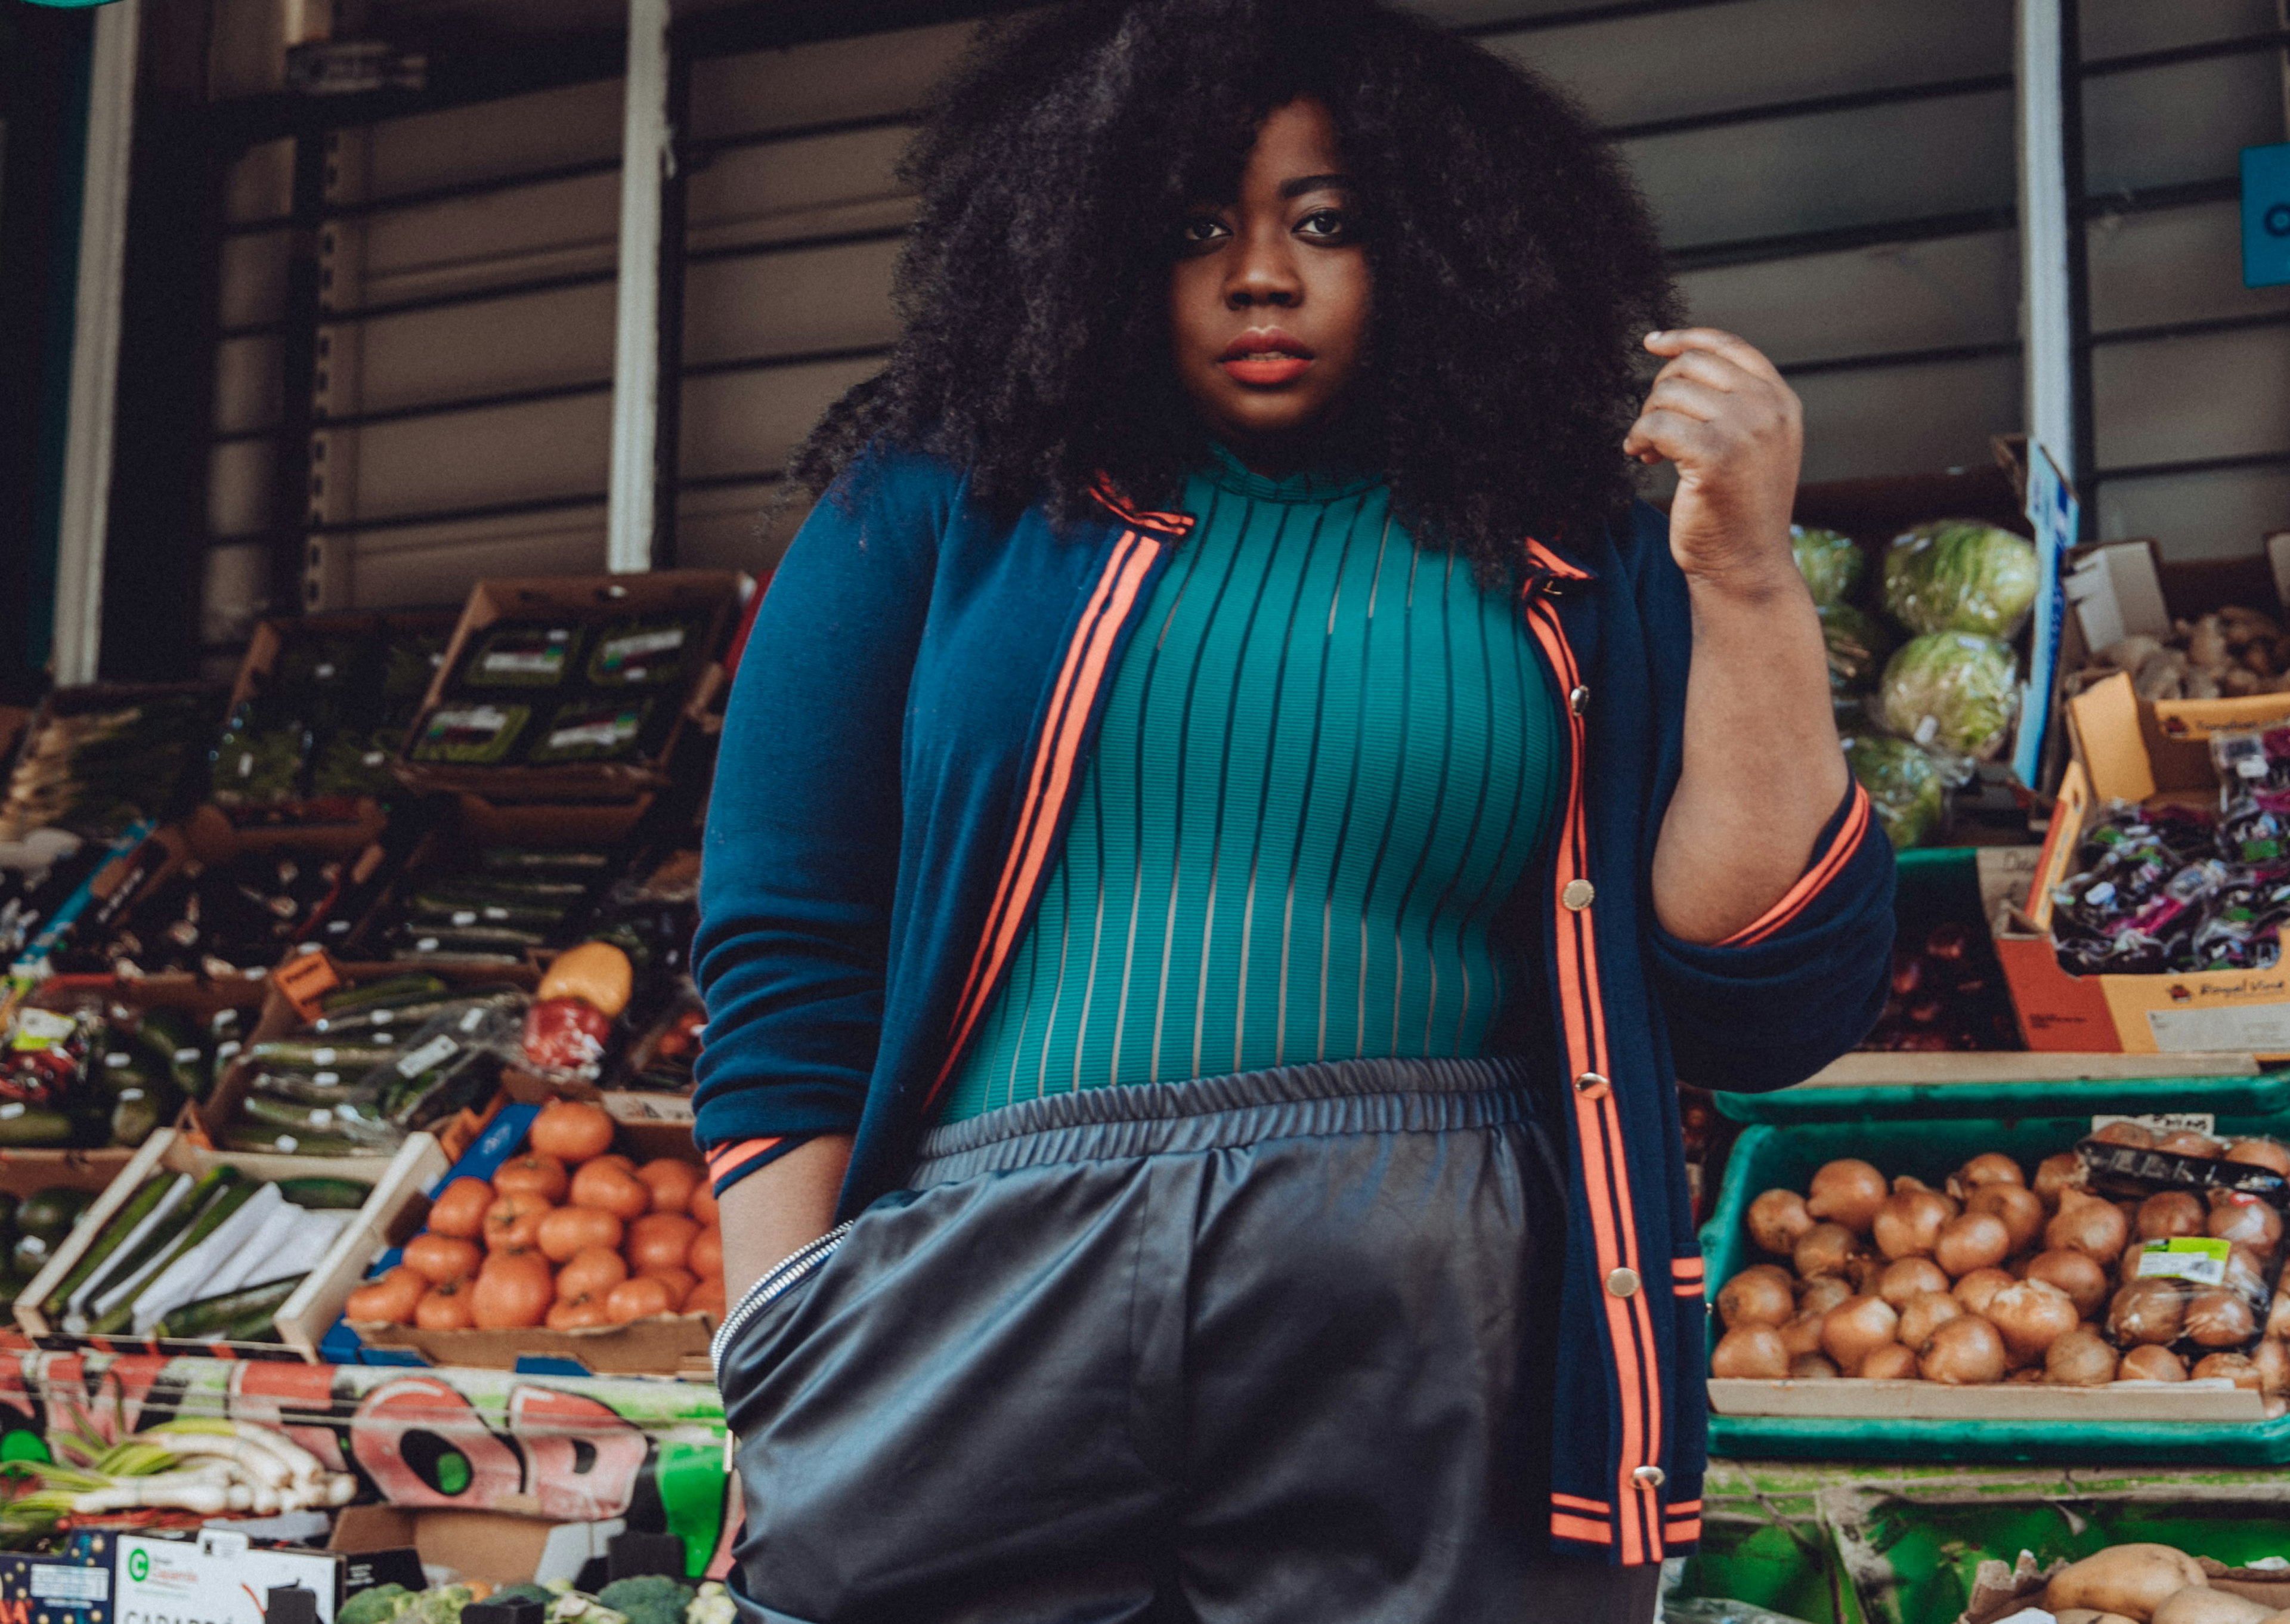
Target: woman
{"type": "Point", "coordinates": [1203, 916]}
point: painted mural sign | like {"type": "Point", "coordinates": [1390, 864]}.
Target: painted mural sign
{"type": "Point", "coordinates": [563, 1449]}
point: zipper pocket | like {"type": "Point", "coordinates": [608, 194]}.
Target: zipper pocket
{"type": "Point", "coordinates": [777, 1280]}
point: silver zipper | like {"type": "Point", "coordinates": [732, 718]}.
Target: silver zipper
{"type": "Point", "coordinates": [777, 1280]}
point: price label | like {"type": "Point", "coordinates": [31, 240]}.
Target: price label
{"type": "Point", "coordinates": [2187, 1257]}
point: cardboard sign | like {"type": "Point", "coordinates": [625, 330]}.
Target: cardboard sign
{"type": "Point", "coordinates": [218, 1579]}
{"type": "Point", "coordinates": [304, 980]}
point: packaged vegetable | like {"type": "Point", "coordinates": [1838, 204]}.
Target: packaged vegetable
{"type": "Point", "coordinates": [1857, 646]}
{"type": "Point", "coordinates": [471, 735]}
{"type": "Point", "coordinates": [590, 730]}
{"type": "Point", "coordinates": [1903, 785]}
{"type": "Point", "coordinates": [1832, 565]}
{"type": "Point", "coordinates": [520, 654]}
{"type": "Point", "coordinates": [1953, 692]}
{"type": "Point", "coordinates": [643, 652]}
{"type": "Point", "coordinates": [1960, 575]}
{"type": "Point", "coordinates": [565, 1038]}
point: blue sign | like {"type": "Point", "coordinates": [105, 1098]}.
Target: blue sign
{"type": "Point", "coordinates": [2265, 216]}
{"type": "Point", "coordinates": [2053, 511]}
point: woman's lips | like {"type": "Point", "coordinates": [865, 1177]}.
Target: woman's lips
{"type": "Point", "coordinates": [1263, 358]}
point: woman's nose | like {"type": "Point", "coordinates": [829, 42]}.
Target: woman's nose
{"type": "Point", "coordinates": [1265, 273]}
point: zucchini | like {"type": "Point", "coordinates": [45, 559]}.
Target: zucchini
{"type": "Point", "coordinates": [281, 1141]}
{"type": "Point", "coordinates": [318, 1088]}
{"type": "Point", "coordinates": [354, 1116]}
{"type": "Point", "coordinates": [21, 1125]}
{"type": "Point", "coordinates": [51, 1213]}
{"type": "Point", "coordinates": [136, 1112]}
{"type": "Point", "coordinates": [390, 990]}
{"type": "Point", "coordinates": [215, 1317]}
{"type": "Point", "coordinates": [112, 1237]}
{"type": "Point", "coordinates": [147, 1256]}
{"type": "Point", "coordinates": [402, 1017]}
{"type": "Point", "coordinates": [325, 1194]}
{"type": "Point", "coordinates": [211, 1217]}
{"type": "Point", "coordinates": [301, 1054]}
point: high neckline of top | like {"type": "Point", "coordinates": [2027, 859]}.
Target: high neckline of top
{"type": "Point", "coordinates": [1227, 472]}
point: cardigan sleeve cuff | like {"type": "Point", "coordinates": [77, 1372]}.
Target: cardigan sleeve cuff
{"type": "Point", "coordinates": [727, 1164]}
{"type": "Point", "coordinates": [1832, 853]}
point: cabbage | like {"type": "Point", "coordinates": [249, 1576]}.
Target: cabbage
{"type": "Point", "coordinates": [1903, 786]}
{"type": "Point", "coordinates": [1951, 691]}
{"type": "Point", "coordinates": [1857, 645]}
{"type": "Point", "coordinates": [1960, 575]}
{"type": "Point", "coordinates": [1830, 563]}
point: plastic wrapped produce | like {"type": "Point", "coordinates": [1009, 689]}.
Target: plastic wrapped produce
{"type": "Point", "coordinates": [2169, 889]}
{"type": "Point", "coordinates": [1951, 691]}
{"type": "Point", "coordinates": [1960, 575]}
{"type": "Point", "coordinates": [1857, 643]}
{"type": "Point", "coordinates": [1903, 786]}
{"type": "Point", "coordinates": [1830, 563]}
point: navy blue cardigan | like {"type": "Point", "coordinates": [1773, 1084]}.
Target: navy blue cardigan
{"type": "Point", "coordinates": [907, 729]}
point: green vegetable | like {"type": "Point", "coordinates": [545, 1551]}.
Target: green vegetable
{"type": "Point", "coordinates": [137, 1261]}
{"type": "Point", "coordinates": [1951, 693]}
{"type": "Point", "coordinates": [108, 1239]}
{"type": "Point", "coordinates": [1830, 563]}
{"type": "Point", "coordinates": [50, 1213]}
{"type": "Point", "coordinates": [214, 1316]}
{"type": "Point", "coordinates": [364, 1026]}
{"type": "Point", "coordinates": [1903, 786]}
{"type": "Point", "coordinates": [228, 1198]}
{"type": "Point", "coordinates": [283, 1141]}
{"type": "Point", "coordinates": [339, 1195]}
{"type": "Point", "coordinates": [646, 653]}
{"type": "Point", "coordinates": [653, 1598]}
{"type": "Point", "coordinates": [590, 730]}
{"type": "Point", "coordinates": [21, 1125]}
{"type": "Point", "coordinates": [137, 1113]}
{"type": "Point", "coordinates": [712, 1606]}
{"type": "Point", "coordinates": [471, 735]}
{"type": "Point", "coordinates": [438, 1604]}
{"type": "Point", "coordinates": [1857, 646]}
{"type": "Point", "coordinates": [346, 1115]}
{"type": "Point", "coordinates": [520, 654]}
{"type": "Point", "coordinates": [301, 1054]}
{"type": "Point", "coordinates": [1960, 575]}
{"type": "Point", "coordinates": [379, 1603]}
{"type": "Point", "coordinates": [387, 993]}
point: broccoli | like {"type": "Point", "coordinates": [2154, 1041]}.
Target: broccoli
{"type": "Point", "coordinates": [374, 1605]}
{"type": "Point", "coordinates": [712, 1605]}
{"type": "Point", "coordinates": [439, 1604]}
{"type": "Point", "coordinates": [653, 1598]}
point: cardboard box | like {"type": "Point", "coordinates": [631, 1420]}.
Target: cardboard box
{"type": "Point", "coordinates": [2213, 1010]}
{"type": "Point", "coordinates": [399, 1183]}
{"type": "Point", "coordinates": [718, 594]}
{"type": "Point", "coordinates": [72, 1586]}
{"type": "Point", "coordinates": [493, 1546]}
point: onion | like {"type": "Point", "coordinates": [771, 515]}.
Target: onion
{"type": "Point", "coordinates": [2128, 1271]}
{"type": "Point", "coordinates": [2216, 1317]}
{"type": "Point", "coordinates": [1812, 1367]}
{"type": "Point", "coordinates": [2237, 1368]}
{"type": "Point", "coordinates": [2079, 1358]}
{"type": "Point", "coordinates": [2273, 1362]}
{"type": "Point", "coordinates": [2086, 1224]}
{"type": "Point", "coordinates": [2124, 1133]}
{"type": "Point", "coordinates": [2148, 1363]}
{"type": "Point", "coordinates": [2245, 1274]}
{"type": "Point", "coordinates": [2167, 1215]}
{"type": "Point", "coordinates": [1825, 1249]}
{"type": "Point", "coordinates": [2277, 1317]}
{"type": "Point", "coordinates": [1822, 1293]}
{"type": "Point", "coordinates": [1977, 1289]}
{"type": "Point", "coordinates": [1966, 1352]}
{"type": "Point", "coordinates": [1753, 1351]}
{"type": "Point", "coordinates": [1861, 1268]}
{"type": "Point", "coordinates": [1802, 1335]}
{"type": "Point", "coordinates": [1759, 1295]}
{"type": "Point", "coordinates": [1988, 1167]}
{"type": "Point", "coordinates": [2019, 1207]}
{"type": "Point", "coordinates": [2246, 1221]}
{"type": "Point", "coordinates": [1923, 1314]}
{"type": "Point", "coordinates": [1888, 1362]}
{"type": "Point", "coordinates": [1777, 1220]}
{"type": "Point", "coordinates": [2063, 1171]}
{"type": "Point", "coordinates": [2148, 1311]}
{"type": "Point", "coordinates": [2261, 1153]}
{"type": "Point", "coordinates": [1846, 1192]}
{"type": "Point", "coordinates": [2076, 1273]}
{"type": "Point", "coordinates": [1909, 1277]}
{"type": "Point", "coordinates": [1970, 1240]}
{"type": "Point", "coordinates": [2187, 1143]}
{"type": "Point", "coordinates": [1909, 1222]}
{"type": "Point", "coordinates": [1855, 1328]}
{"type": "Point", "coordinates": [2030, 1315]}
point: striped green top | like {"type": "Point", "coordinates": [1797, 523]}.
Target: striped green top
{"type": "Point", "coordinates": [1327, 757]}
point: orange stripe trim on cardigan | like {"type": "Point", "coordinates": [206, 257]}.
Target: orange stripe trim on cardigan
{"type": "Point", "coordinates": [1553, 563]}
{"type": "Point", "coordinates": [727, 1158]}
{"type": "Point", "coordinates": [1815, 879]}
{"type": "Point", "coordinates": [1576, 1502]}
{"type": "Point", "coordinates": [1564, 1527]}
{"type": "Point", "coordinates": [1061, 742]}
{"type": "Point", "coordinates": [1688, 1269]}
{"type": "Point", "coordinates": [1689, 1288]}
{"type": "Point", "coordinates": [1178, 525]}
{"type": "Point", "coordinates": [1685, 1508]}
{"type": "Point", "coordinates": [1687, 1531]}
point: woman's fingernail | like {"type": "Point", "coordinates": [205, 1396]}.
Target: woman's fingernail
{"type": "Point", "coordinates": [1655, 337]}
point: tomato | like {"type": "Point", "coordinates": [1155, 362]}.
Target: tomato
{"type": "Point", "coordinates": [571, 1130]}
{"type": "Point", "coordinates": [460, 1209]}
{"type": "Point", "coordinates": [513, 1223]}
{"type": "Point", "coordinates": [703, 1204]}
{"type": "Point", "coordinates": [446, 1307]}
{"type": "Point", "coordinates": [639, 1298]}
{"type": "Point", "coordinates": [565, 1035]}
{"type": "Point", "coordinates": [671, 1183]}
{"type": "Point", "coordinates": [578, 1314]}
{"type": "Point", "coordinates": [608, 1188]}
{"type": "Point", "coordinates": [390, 1299]}
{"type": "Point", "coordinates": [707, 1298]}
{"type": "Point", "coordinates": [515, 1290]}
{"type": "Point", "coordinates": [660, 1240]}
{"type": "Point", "coordinates": [440, 1257]}
{"type": "Point", "coordinates": [679, 1282]}
{"type": "Point", "coordinates": [567, 1230]}
{"type": "Point", "coordinates": [706, 1257]}
{"type": "Point", "coordinates": [626, 1164]}
{"type": "Point", "coordinates": [532, 1174]}
{"type": "Point", "coordinates": [591, 1274]}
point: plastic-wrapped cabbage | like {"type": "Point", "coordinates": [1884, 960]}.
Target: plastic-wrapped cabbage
{"type": "Point", "coordinates": [1951, 693]}
{"type": "Point", "coordinates": [1960, 575]}
{"type": "Point", "coordinates": [1903, 786]}
{"type": "Point", "coordinates": [1830, 563]}
{"type": "Point", "coordinates": [1857, 643]}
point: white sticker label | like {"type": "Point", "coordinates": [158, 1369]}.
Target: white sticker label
{"type": "Point", "coordinates": [2166, 1122]}
{"type": "Point", "coordinates": [11, 1110]}
{"type": "Point", "coordinates": [464, 916]}
{"type": "Point", "coordinates": [604, 735]}
{"type": "Point", "coordinates": [184, 1057]}
{"type": "Point", "coordinates": [544, 662]}
{"type": "Point", "coordinates": [382, 1018]}
{"type": "Point", "coordinates": [437, 1052]}
{"type": "Point", "coordinates": [2237, 1029]}
{"type": "Point", "coordinates": [322, 1057]}
{"type": "Point", "coordinates": [60, 1582]}
{"type": "Point", "coordinates": [118, 1059]}
{"type": "Point", "coordinates": [473, 1020]}
{"type": "Point", "coordinates": [2188, 1257]}
{"type": "Point", "coordinates": [43, 1027]}
{"type": "Point", "coordinates": [619, 651]}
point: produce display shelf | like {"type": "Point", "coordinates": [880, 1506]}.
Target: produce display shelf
{"type": "Point", "coordinates": [2260, 1094]}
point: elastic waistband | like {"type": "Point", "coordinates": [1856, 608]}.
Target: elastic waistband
{"type": "Point", "coordinates": [1097, 1125]}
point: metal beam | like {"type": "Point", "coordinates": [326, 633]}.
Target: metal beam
{"type": "Point", "coordinates": [2047, 321]}
{"type": "Point", "coordinates": [91, 414]}
{"type": "Point", "coordinates": [646, 152]}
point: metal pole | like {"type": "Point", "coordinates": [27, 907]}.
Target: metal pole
{"type": "Point", "coordinates": [645, 156]}
{"type": "Point", "coordinates": [89, 420]}
{"type": "Point", "coordinates": [2046, 219]}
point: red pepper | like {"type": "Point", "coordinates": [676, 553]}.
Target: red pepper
{"type": "Point", "coordinates": [565, 1034]}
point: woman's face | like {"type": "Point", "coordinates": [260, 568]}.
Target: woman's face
{"type": "Point", "coordinates": [1269, 300]}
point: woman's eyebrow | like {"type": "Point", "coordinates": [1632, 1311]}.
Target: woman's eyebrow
{"type": "Point", "coordinates": [1313, 183]}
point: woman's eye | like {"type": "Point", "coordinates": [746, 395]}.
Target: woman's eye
{"type": "Point", "coordinates": [1202, 228]}
{"type": "Point", "coordinates": [1323, 223]}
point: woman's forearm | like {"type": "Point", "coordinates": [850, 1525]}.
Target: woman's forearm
{"type": "Point", "coordinates": [777, 1211]}
{"type": "Point", "coordinates": [1762, 772]}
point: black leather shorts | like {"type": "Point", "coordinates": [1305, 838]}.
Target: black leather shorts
{"type": "Point", "coordinates": [1251, 1349]}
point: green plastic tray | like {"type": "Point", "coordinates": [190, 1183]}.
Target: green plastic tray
{"type": "Point", "coordinates": [2264, 1094]}
{"type": "Point", "coordinates": [1767, 1156]}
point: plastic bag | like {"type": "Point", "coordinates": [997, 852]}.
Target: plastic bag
{"type": "Point", "coordinates": [1952, 693]}
{"type": "Point", "coordinates": [1960, 575]}
{"type": "Point", "coordinates": [1857, 645]}
{"type": "Point", "coordinates": [1832, 565]}
{"type": "Point", "coordinates": [1903, 785]}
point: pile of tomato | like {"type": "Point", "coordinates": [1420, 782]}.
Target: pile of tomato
{"type": "Point", "coordinates": [566, 1235]}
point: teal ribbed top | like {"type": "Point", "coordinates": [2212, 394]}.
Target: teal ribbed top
{"type": "Point", "coordinates": [1326, 757]}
